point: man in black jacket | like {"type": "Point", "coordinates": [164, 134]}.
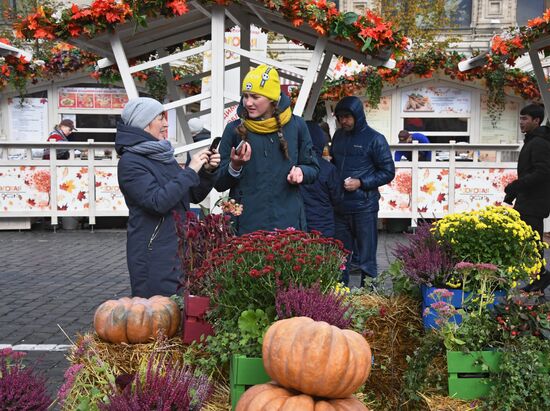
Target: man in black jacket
{"type": "Point", "coordinates": [531, 190]}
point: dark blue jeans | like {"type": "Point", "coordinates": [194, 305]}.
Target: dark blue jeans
{"type": "Point", "coordinates": [361, 229]}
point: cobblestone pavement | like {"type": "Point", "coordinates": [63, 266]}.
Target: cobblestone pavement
{"type": "Point", "coordinates": [50, 280]}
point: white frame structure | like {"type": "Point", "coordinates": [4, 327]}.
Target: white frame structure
{"type": "Point", "coordinates": [128, 42]}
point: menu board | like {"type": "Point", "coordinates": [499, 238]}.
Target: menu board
{"type": "Point", "coordinates": [28, 119]}
{"type": "Point", "coordinates": [438, 100]}
{"type": "Point", "coordinates": [505, 130]}
{"type": "Point", "coordinates": [91, 98]}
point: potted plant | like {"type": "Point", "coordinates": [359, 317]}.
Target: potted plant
{"type": "Point", "coordinates": [489, 350]}
{"type": "Point", "coordinates": [477, 255]}
{"type": "Point", "coordinates": [198, 237]}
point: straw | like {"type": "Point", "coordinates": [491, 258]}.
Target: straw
{"type": "Point", "coordinates": [393, 334]}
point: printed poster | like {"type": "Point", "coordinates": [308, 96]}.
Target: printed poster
{"type": "Point", "coordinates": [380, 118]}
{"type": "Point", "coordinates": [477, 188]}
{"type": "Point", "coordinates": [91, 98]}
{"type": "Point", "coordinates": [108, 197]}
{"type": "Point", "coordinates": [397, 195]}
{"type": "Point", "coordinates": [438, 100]}
{"type": "Point", "coordinates": [433, 193]}
{"type": "Point", "coordinates": [72, 190]}
{"type": "Point", "coordinates": [24, 188]}
{"type": "Point", "coordinates": [505, 130]}
{"type": "Point", "coordinates": [28, 119]}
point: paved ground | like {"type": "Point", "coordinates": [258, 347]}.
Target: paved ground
{"type": "Point", "coordinates": [50, 280]}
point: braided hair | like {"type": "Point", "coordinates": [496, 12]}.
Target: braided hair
{"type": "Point", "coordinates": [283, 144]}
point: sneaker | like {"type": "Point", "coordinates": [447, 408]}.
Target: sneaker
{"type": "Point", "coordinates": [538, 285]}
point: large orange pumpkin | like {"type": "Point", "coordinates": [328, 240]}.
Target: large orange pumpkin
{"type": "Point", "coordinates": [136, 320]}
{"type": "Point", "coordinates": [316, 358]}
{"type": "Point", "coordinates": [275, 398]}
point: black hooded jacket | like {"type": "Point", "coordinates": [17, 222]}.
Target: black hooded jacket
{"type": "Point", "coordinates": [361, 153]}
{"type": "Point", "coordinates": [532, 188]}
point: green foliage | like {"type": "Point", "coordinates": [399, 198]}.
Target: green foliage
{"type": "Point", "coordinates": [246, 271]}
{"type": "Point", "coordinates": [417, 376]}
{"type": "Point", "coordinates": [521, 383]}
{"type": "Point", "coordinates": [214, 357]}
{"type": "Point", "coordinates": [402, 284]}
{"type": "Point", "coordinates": [253, 324]}
{"type": "Point", "coordinates": [421, 20]}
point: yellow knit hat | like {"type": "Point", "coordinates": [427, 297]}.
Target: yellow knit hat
{"type": "Point", "coordinates": [263, 80]}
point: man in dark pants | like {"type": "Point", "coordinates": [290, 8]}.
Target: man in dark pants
{"type": "Point", "coordinates": [531, 190]}
{"type": "Point", "coordinates": [364, 162]}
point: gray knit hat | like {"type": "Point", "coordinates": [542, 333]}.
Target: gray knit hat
{"type": "Point", "coordinates": [139, 112]}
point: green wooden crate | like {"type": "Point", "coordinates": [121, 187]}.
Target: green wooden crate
{"type": "Point", "coordinates": [469, 373]}
{"type": "Point", "coordinates": [244, 373]}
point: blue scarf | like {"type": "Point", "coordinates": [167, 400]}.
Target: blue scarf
{"type": "Point", "coordinates": [161, 150]}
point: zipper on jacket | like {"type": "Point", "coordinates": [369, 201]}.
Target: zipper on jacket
{"type": "Point", "coordinates": [155, 234]}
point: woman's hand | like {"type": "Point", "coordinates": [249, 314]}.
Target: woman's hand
{"type": "Point", "coordinates": [198, 160]}
{"type": "Point", "coordinates": [295, 176]}
{"type": "Point", "coordinates": [238, 158]}
{"type": "Point", "coordinates": [214, 159]}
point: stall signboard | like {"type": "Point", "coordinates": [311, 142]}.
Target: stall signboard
{"type": "Point", "coordinates": [91, 98]}
{"type": "Point", "coordinates": [505, 130]}
{"type": "Point", "coordinates": [477, 188]}
{"type": "Point", "coordinates": [108, 196]}
{"type": "Point", "coordinates": [25, 188]}
{"type": "Point", "coordinates": [28, 119]}
{"type": "Point", "coordinates": [447, 101]}
{"type": "Point", "coordinates": [379, 118]}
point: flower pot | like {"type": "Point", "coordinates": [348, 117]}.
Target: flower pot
{"type": "Point", "coordinates": [244, 373]}
{"type": "Point", "coordinates": [194, 322]}
{"type": "Point", "coordinates": [430, 318]}
{"type": "Point", "coordinates": [469, 373]}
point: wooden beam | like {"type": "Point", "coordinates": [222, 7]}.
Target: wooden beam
{"type": "Point", "coordinates": [200, 76]}
{"type": "Point", "coordinates": [265, 60]}
{"type": "Point", "coordinates": [218, 70]}
{"type": "Point", "coordinates": [188, 100]}
{"type": "Point", "coordinates": [310, 76]}
{"type": "Point", "coordinates": [122, 63]}
{"type": "Point", "coordinates": [170, 58]}
{"type": "Point", "coordinates": [316, 90]}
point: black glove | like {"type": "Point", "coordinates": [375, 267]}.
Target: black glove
{"type": "Point", "coordinates": [512, 188]}
{"type": "Point", "coordinates": [509, 198]}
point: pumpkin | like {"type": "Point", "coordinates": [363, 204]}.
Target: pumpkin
{"type": "Point", "coordinates": [136, 320]}
{"type": "Point", "coordinates": [273, 397]}
{"type": "Point", "coordinates": [316, 358]}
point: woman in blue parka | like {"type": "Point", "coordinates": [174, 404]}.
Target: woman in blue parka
{"type": "Point", "coordinates": [275, 156]}
{"type": "Point", "coordinates": [155, 188]}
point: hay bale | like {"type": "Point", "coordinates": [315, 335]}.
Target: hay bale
{"type": "Point", "coordinates": [98, 365]}
{"type": "Point", "coordinates": [442, 403]}
{"type": "Point", "coordinates": [392, 329]}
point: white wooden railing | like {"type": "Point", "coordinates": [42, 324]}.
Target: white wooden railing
{"type": "Point", "coordinates": [85, 185]}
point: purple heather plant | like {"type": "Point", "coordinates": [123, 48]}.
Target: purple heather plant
{"type": "Point", "coordinates": [424, 260]}
{"type": "Point", "coordinates": [20, 388]}
{"type": "Point", "coordinates": [162, 389]}
{"type": "Point", "coordinates": [311, 302]}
